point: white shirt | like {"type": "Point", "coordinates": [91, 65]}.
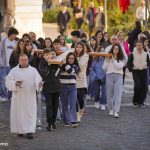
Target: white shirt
{"type": "Point", "coordinates": [9, 47]}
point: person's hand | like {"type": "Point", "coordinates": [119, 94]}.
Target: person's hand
{"type": "Point", "coordinates": [32, 52]}
{"type": "Point", "coordinates": [19, 83]}
{"type": "Point", "coordinates": [107, 58]}
{"type": "Point", "coordinates": [40, 85]}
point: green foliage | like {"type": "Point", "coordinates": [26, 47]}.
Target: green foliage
{"type": "Point", "coordinates": [116, 19]}
{"type": "Point", "coordinates": [50, 16]}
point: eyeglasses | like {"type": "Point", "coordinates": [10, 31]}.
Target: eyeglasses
{"type": "Point", "coordinates": [71, 58]}
{"type": "Point", "coordinates": [114, 39]}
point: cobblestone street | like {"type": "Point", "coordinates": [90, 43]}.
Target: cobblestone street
{"type": "Point", "coordinates": [97, 131]}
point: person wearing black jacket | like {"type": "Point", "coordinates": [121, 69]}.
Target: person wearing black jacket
{"type": "Point", "coordinates": [63, 19]}
{"type": "Point", "coordinates": [51, 88]}
{"type": "Point", "coordinates": [133, 35]}
{"type": "Point", "coordinates": [78, 13]}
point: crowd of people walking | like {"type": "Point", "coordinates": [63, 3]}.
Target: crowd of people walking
{"type": "Point", "coordinates": [27, 75]}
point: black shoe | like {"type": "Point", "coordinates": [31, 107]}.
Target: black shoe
{"type": "Point", "coordinates": [20, 135]}
{"type": "Point", "coordinates": [49, 128]}
{"type": "Point", "coordinates": [66, 125]}
{"type": "Point", "coordinates": [30, 135]}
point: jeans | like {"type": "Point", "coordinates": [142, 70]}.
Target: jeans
{"type": "Point", "coordinates": [68, 97]}
{"type": "Point", "coordinates": [52, 102]}
{"type": "Point", "coordinates": [99, 89]}
{"type": "Point", "coordinates": [4, 93]}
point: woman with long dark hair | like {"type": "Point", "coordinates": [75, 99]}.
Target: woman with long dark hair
{"type": "Point", "coordinates": [20, 49]}
{"type": "Point", "coordinates": [114, 79]}
{"type": "Point", "coordinates": [81, 78]}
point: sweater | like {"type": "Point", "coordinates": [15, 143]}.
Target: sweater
{"type": "Point", "coordinates": [68, 74]}
{"type": "Point", "coordinates": [113, 66]}
{"type": "Point", "coordinates": [50, 76]}
{"type": "Point", "coordinates": [81, 77]}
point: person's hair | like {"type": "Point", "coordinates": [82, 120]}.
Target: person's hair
{"type": "Point", "coordinates": [27, 44]}
{"type": "Point", "coordinates": [17, 50]}
{"type": "Point", "coordinates": [76, 33]}
{"type": "Point", "coordinates": [26, 35]}
{"type": "Point", "coordinates": [98, 49]}
{"type": "Point", "coordinates": [82, 52]}
{"type": "Point", "coordinates": [12, 30]}
{"type": "Point", "coordinates": [59, 37]}
{"type": "Point", "coordinates": [138, 25]}
{"type": "Point", "coordinates": [139, 42]}
{"type": "Point", "coordinates": [97, 32]}
{"type": "Point", "coordinates": [56, 41]}
{"type": "Point", "coordinates": [120, 55]}
{"type": "Point", "coordinates": [22, 54]}
{"type": "Point", "coordinates": [88, 47]}
{"type": "Point", "coordinates": [46, 51]}
{"type": "Point", "coordinates": [119, 33]}
{"type": "Point", "coordinates": [75, 60]}
{"type": "Point", "coordinates": [94, 38]}
{"type": "Point", "coordinates": [83, 35]}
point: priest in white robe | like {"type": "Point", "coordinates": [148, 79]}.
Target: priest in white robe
{"type": "Point", "coordinates": [23, 81]}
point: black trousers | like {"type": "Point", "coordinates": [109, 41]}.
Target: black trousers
{"type": "Point", "coordinates": [81, 92]}
{"type": "Point", "coordinates": [140, 86]}
{"type": "Point", "coordinates": [52, 103]}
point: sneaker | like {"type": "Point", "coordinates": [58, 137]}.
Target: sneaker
{"type": "Point", "coordinates": [20, 135]}
{"type": "Point", "coordinates": [49, 128]}
{"type": "Point", "coordinates": [111, 113]}
{"type": "Point", "coordinates": [74, 125]}
{"type": "Point", "coordinates": [135, 105]}
{"type": "Point", "coordinates": [66, 125]}
{"type": "Point", "coordinates": [4, 100]}
{"type": "Point", "coordinates": [97, 105]}
{"type": "Point", "coordinates": [141, 105]}
{"type": "Point", "coordinates": [116, 115]}
{"type": "Point", "coordinates": [30, 135]}
{"type": "Point", "coordinates": [102, 107]}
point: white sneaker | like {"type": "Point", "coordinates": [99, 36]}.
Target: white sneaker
{"type": "Point", "coordinates": [97, 105]}
{"type": "Point", "coordinates": [116, 115]}
{"type": "Point", "coordinates": [111, 113]}
{"type": "Point", "coordinates": [3, 100]}
{"type": "Point", "coordinates": [102, 107]}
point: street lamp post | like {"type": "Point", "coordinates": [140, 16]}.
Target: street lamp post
{"type": "Point", "coordinates": [146, 7]}
{"type": "Point", "coordinates": [105, 5]}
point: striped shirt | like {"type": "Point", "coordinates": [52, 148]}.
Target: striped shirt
{"type": "Point", "coordinates": [68, 75]}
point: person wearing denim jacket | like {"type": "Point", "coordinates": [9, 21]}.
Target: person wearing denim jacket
{"type": "Point", "coordinates": [99, 83]}
{"type": "Point", "coordinates": [6, 47]}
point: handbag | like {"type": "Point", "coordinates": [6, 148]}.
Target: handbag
{"type": "Point", "coordinates": [79, 15]}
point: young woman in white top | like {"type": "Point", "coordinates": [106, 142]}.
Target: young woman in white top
{"type": "Point", "coordinates": [63, 45]}
{"type": "Point", "coordinates": [81, 77]}
{"type": "Point", "coordinates": [114, 80]}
